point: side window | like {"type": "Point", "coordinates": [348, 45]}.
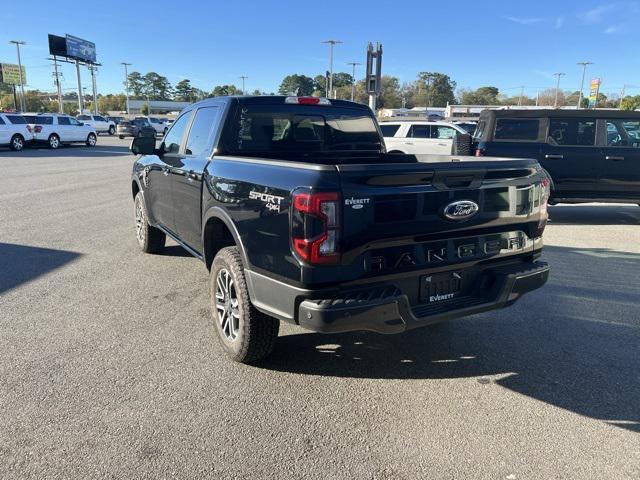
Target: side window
{"type": "Point", "coordinates": [623, 133]}
{"type": "Point", "coordinates": [16, 119]}
{"type": "Point", "coordinates": [203, 129]}
{"type": "Point", "coordinates": [571, 131]}
{"type": "Point", "coordinates": [420, 131]}
{"type": "Point", "coordinates": [1, 121]}
{"type": "Point", "coordinates": [517, 129]}
{"type": "Point", "coordinates": [389, 130]}
{"type": "Point", "coordinates": [84, 117]}
{"type": "Point", "coordinates": [73, 121]}
{"type": "Point", "coordinates": [99, 118]}
{"type": "Point", "coordinates": [44, 120]}
{"type": "Point", "coordinates": [445, 132]}
{"type": "Point", "coordinates": [63, 121]}
{"type": "Point", "coordinates": [173, 139]}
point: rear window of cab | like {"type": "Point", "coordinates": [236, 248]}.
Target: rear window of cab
{"type": "Point", "coordinates": [518, 129]}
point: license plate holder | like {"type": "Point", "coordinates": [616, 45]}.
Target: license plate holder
{"type": "Point", "coordinates": [440, 287]}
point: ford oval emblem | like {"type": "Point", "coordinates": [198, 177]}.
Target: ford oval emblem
{"type": "Point", "coordinates": [461, 210]}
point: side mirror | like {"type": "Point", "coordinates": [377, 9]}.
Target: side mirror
{"type": "Point", "coordinates": [81, 124]}
{"type": "Point", "coordinates": [143, 145]}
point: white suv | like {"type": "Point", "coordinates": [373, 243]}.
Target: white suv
{"type": "Point", "coordinates": [14, 131]}
{"type": "Point", "coordinates": [56, 129]}
{"type": "Point", "coordinates": [101, 124]}
{"type": "Point", "coordinates": [418, 137]}
{"type": "Point", "coordinates": [158, 124]}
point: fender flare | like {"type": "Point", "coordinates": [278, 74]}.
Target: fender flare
{"type": "Point", "coordinates": [222, 215]}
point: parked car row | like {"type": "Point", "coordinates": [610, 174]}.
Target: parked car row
{"type": "Point", "coordinates": [51, 129]}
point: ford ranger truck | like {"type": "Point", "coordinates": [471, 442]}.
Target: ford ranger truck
{"type": "Point", "coordinates": [301, 216]}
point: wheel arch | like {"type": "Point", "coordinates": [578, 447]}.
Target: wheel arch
{"type": "Point", "coordinates": [219, 231]}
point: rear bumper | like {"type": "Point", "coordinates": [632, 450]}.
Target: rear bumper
{"type": "Point", "coordinates": [385, 309]}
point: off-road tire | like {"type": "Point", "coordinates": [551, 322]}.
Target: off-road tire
{"type": "Point", "coordinates": [257, 332]}
{"type": "Point", "coordinates": [17, 143]}
{"type": "Point", "coordinates": [461, 144]}
{"type": "Point", "coordinates": [91, 141]}
{"type": "Point", "coordinates": [150, 239]}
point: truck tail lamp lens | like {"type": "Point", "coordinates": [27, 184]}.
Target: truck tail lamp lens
{"type": "Point", "coordinates": [315, 227]}
{"type": "Point", "coordinates": [307, 101]}
{"type": "Point", "coordinates": [37, 128]}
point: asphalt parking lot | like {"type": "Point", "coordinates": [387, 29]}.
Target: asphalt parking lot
{"type": "Point", "coordinates": [109, 367]}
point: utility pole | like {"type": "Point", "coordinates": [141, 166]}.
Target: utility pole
{"type": "Point", "coordinates": [621, 97]}
{"type": "Point", "coordinates": [557, 75]}
{"type": "Point", "coordinates": [93, 70]}
{"type": "Point", "coordinates": [243, 77]}
{"type": "Point", "coordinates": [521, 95]}
{"type": "Point", "coordinates": [22, 99]}
{"type": "Point", "coordinates": [80, 99]}
{"type": "Point", "coordinates": [353, 79]}
{"type": "Point", "coordinates": [331, 44]}
{"type": "Point", "coordinates": [58, 86]}
{"type": "Point", "coordinates": [126, 83]}
{"type": "Point", "coordinates": [584, 71]}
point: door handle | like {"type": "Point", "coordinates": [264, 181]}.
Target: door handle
{"type": "Point", "coordinates": [615, 158]}
{"type": "Point", "coordinates": [557, 157]}
{"type": "Point", "coordinates": [442, 144]}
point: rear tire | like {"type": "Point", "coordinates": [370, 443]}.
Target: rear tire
{"type": "Point", "coordinates": [54, 141]}
{"type": "Point", "coordinates": [245, 333]}
{"type": "Point", "coordinates": [91, 140]}
{"type": "Point", "coordinates": [120, 137]}
{"type": "Point", "coordinates": [396, 152]}
{"type": "Point", "coordinates": [112, 130]}
{"type": "Point", "coordinates": [17, 143]}
{"type": "Point", "coordinates": [150, 239]}
{"type": "Point", "coordinates": [461, 144]}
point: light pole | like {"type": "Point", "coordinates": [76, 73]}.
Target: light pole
{"type": "Point", "coordinates": [353, 79]}
{"type": "Point", "coordinates": [558, 75]}
{"type": "Point", "coordinates": [22, 102]}
{"type": "Point", "coordinates": [243, 77]}
{"type": "Point", "coordinates": [584, 71]}
{"type": "Point", "coordinates": [331, 44]}
{"type": "Point", "coordinates": [126, 83]}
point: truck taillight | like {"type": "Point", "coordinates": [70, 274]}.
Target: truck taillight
{"type": "Point", "coordinates": [29, 128]}
{"type": "Point", "coordinates": [545, 193]}
{"type": "Point", "coordinates": [315, 227]}
{"type": "Point", "coordinates": [38, 128]}
{"type": "Point", "coordinates": [307, 101]}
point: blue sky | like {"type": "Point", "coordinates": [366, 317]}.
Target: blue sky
{"type": "Point", "coordinates": [501, 43]}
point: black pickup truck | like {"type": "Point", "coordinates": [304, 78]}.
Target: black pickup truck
{"type": "Point", "coordinates": [301, 216]}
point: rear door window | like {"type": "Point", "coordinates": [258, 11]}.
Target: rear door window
{"type": "Point", "coordinates": [623, 133]}
{"type": "Point", "coordinates": [519, 129]}
{"type": "Point", "coordinates": [420, 131]}
{"type": "Point", "coordinates": [42, 120]}
{"type": "Point", "coordinates": [389, 130]}
{"type": "Point", "coordinates": [1, 121]}
{"type": "Point", "coordinates": [572, 131]}
{"type": "Point", "coordinates": [17, 119]}
{"type": "Point", "coordinates": [84, 117]}
{"type": "Point", "coordinates": [63, 121]}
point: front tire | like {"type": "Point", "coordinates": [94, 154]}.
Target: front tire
{"type": "Point", "coordinates": [112, 130]}
{"type": "Point", "coordinates": [54, 141]}
{"type": "Point", "coordinates": [91, 140]}
{"type": "Point", "coordinates": [17, 143]}
{"type": "Point", "coordinates": [150, 239]}
{"type": "Point", "coordinates": [245, 333]}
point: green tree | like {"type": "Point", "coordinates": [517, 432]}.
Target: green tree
{"type": "Point", "coordinates": [630, 103]}
{"type": "Point", "coordinates": [144, 110]}
{"type": "Point", "coordinates": [136, 85]}
{"type": "Point", "coordinates": [480, 96]}
{"type": "Point", "coordinates": [296, 85]}
{"type": "Point", "coordinates": [225, 90]}
{"type": "Point", "coordinates": [438, 89]}
{"type": "Point", "coordinates": [184, 92]}
{"type": "Point", "coordinates": [112, 103]}
{"type": "Point", "coordinates": [70, 108]}
{"type": "Point", "coordinates": [157, 87]}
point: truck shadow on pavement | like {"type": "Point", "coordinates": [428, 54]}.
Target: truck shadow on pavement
{"type": "Point", "coordinates": [595, 215]}
{"type": "Point", "coordinates": [574, 344]}
{"type": "Point", "coordinates": [20, 263]}
{"type": "Point", "coordinates": [74, 150]}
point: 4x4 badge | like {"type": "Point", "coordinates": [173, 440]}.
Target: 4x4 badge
{"type": "Point", "coordinates": [460, 210]}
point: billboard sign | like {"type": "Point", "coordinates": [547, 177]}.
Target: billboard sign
{"type": "Point", "coordinates": [10, 73]}
{"type": "Point", "coordinates": [57, 46]}
{"type": "Point", "coordinates": [593, 92]}
{"type": "Point", "coordinates": [81, 49]}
